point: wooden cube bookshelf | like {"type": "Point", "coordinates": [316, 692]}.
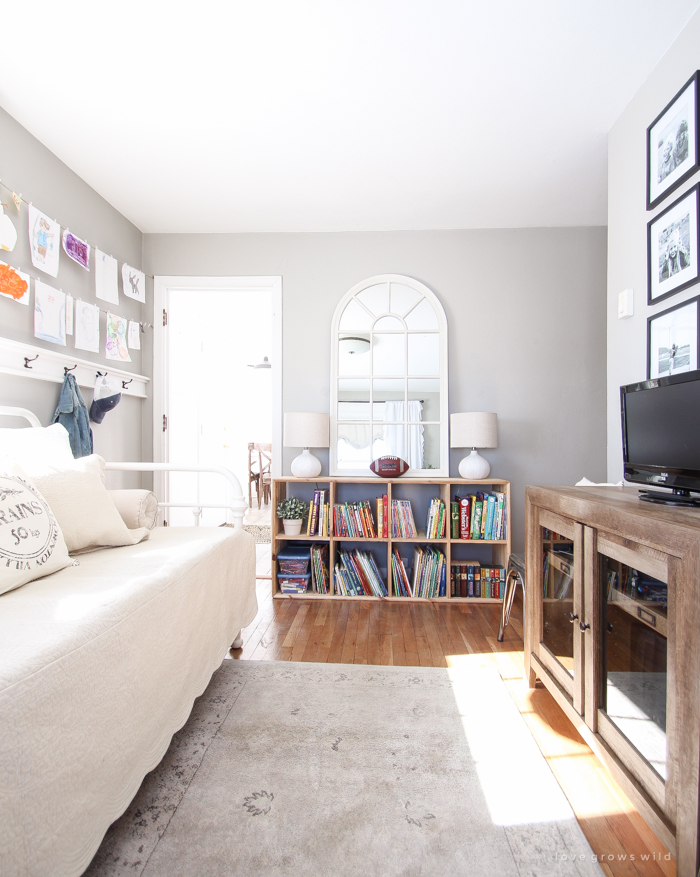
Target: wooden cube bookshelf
{"type": "Point", "coordinates": [419, 492]}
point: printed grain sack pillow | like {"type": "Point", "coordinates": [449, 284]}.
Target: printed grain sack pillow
{"type": "Point", "coordinates": [31, 542]}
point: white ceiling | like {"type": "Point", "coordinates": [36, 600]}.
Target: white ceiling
{"type": "Point", "coordinates": [328, 115]}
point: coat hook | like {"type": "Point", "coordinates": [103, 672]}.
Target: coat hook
{"type": "Point", "coordinates": [124, 383]}
{"type": "Point", "coordinates": [28, 359]}
{"type": "Point", "coordinates": [101, 374]}
{"type": "Point", "coordinates": [66, 369]}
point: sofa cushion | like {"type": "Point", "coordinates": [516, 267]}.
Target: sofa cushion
{"type": "Point", "coordinates": [31, 542]}
{"type": "Point", "coordinates": [83, 507]}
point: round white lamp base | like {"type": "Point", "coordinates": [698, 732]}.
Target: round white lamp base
{"type": "Point", "coordinates": [306, 465]}
{"type": "Point", "coordinates": [474, 467]}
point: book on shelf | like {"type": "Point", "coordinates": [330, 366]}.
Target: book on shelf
{"type": "Point", "coordinates": [429, 572]}
{"type": "Point", "coordinates": [319, 569]}
{"type": "Point", "coordinates": [551, 536]}
{"type": "Point", "coordinates": [400, 575]}
{"type": "Point", "coordinates": [402, 524]}
{"type": "Point", "coordinates": [354, 519]}
{"type": "Point", "coordinates": [482, 516]}
{"type": "Point", "coordinates": [454, 520]}
{"type": "Point", "coordinates": [436, 521]}
{"type": "Point", "coordinates": [357, 575]}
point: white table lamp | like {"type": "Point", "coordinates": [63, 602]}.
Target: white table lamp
{"type": "Point", "coordinates": [474, 429]}
{"type": "Point", "coordinates": [306, 430]}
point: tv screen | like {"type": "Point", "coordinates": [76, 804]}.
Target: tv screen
{"type": "Point", "coordinates": [661, 431]}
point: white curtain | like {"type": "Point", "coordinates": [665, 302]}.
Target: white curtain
{"type": "Point", "coordinates": [406, 444]}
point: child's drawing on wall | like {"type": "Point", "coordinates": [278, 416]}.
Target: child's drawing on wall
{"type": "Point", "coordinates": [44, 237]}
{"type": "Point", "coordinates": [115, 347]}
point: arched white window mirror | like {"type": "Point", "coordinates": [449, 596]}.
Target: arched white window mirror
{"type": "Point", "coordinates": [389, 378]}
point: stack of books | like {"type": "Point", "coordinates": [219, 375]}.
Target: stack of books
{"type": "Point", "coordinates": [429, 572]}
{"type": "Point", "coordinates": [437, 519]}
{"type": "Point", "coordinates": [402, 523]}
{"type": "Point", "coordinates": [479, 516]}
{"type": "Point", "coordinates": [317, 523]}
{"type": "Point", "coordinates": [471, 579]}
{"type": "Point", "coordinates": [357, 575]}
{"type": "Point", "coordinates": [319, 569]}
{"type": "Point", "coordinates": [354, 519]}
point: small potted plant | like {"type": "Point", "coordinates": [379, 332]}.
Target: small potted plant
{"type": "Point", "coordinates": [291, 510]}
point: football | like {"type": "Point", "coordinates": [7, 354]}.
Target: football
{"type": "Point", "coordinates": [389, 467]}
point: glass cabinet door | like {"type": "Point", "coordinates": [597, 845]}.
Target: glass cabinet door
{"type": "Point", "coordinates": [560, 588]}
{"type": "Point", "coordinates": [634, 656]}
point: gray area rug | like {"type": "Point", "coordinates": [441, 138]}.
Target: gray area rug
{"type": "Point", "coordinates": [327, 769]}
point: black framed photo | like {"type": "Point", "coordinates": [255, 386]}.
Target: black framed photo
{"type": "Point", "coordinates": [672, 340]}
{"type": "Point", "coordinates": [672, 144]}
{"type": "Point", "coordinates": [673, 245]}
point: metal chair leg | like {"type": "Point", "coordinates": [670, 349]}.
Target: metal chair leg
{"type": "Point", "coordinates": [511, 586]}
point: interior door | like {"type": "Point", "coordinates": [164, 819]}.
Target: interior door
{"type": "Point", "coordinates": [217, 400]}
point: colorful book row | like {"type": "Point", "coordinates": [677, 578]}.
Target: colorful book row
{"type": "Point", "coordinates": [354, 519]}
{"type": "Point", "coordinates": [319, 569]}
{"type": "Point", "coordinates": [471, 579]}
{"type": "Point", "coordinates": [357, 575]}
{"type": "Point", "coordinates": [402, 524]}
{"type": "Point", "coordinates": [479, 516]}
{"type": "Point", "coordinates": [317, 522]}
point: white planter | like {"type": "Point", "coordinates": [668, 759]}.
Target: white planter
{"type": "Point", "coordinates": [292, 527]}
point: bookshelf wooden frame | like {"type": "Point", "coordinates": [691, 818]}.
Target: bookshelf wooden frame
{"type": "Point", "coordinates": [414, 489]}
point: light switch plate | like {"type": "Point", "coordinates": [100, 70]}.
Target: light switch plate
{"type": "Point", "coordinates": [625, 304]}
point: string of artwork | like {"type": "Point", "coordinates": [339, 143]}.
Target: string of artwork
{"type": "Point", "coordinates": [56, 313]}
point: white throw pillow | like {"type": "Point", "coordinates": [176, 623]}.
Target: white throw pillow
{"type": "Point", "coordinates": [83, 507]}
{"type": "Point", "coordinates": [31, 542]}
{"type": "Point", "coordinates": [36, 449]}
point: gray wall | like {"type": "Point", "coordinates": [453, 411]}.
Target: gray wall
{"type": "Point", "coordinates": [526, 316]}
{"type": "Point", "coordinates": [30, 168]}
{"type": "Point", "coordinates": [627, 225]}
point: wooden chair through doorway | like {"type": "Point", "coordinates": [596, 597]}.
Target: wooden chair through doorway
{"type": "Point", "coordinates": [259, 472]}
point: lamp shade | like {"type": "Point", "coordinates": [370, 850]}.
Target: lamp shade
{"type": "Point", "coordinates": [306, 430]}
{"type": "Point", "coordinates": [474, 429]}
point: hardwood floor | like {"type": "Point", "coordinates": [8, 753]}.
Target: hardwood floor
{"type": "Point", "coordinates": [432, 635]}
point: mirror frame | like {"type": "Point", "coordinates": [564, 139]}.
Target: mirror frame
{"type": "Point", "coordinates": [443, 470]}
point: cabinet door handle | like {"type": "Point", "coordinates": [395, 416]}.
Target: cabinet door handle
{"type": "Point", "coordinates": [572, 617]}
{"type": "Point", "coordinates": [610, 627]}
{"type": "Point", "coordinates": [583, 627]}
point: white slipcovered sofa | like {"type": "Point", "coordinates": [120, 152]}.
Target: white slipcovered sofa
{"type": "Point", "coordinates": [100, 664]}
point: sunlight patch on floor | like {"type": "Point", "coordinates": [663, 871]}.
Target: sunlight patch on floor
{"type": "Point", "coordinates": [508, 763]}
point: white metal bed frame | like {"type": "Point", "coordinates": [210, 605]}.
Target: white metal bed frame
{"type": "Point", "coordinates": [237, 506]}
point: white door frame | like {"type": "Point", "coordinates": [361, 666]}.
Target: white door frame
{"type": "Point", "coordinates": [161, 287]}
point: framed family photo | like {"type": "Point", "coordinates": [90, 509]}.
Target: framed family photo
{"type": "Point", "coordinates": [673, 242]}
{"type": "Point", "coordinates": [672, 340]}
{"type": "Point", "coordinates": [672, 144]}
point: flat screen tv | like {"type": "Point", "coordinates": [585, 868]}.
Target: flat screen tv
{"type": "Point", "coordinates": [661, 437]}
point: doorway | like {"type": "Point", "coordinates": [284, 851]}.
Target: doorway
{"type": "Point", "coordinates": [217, 387]}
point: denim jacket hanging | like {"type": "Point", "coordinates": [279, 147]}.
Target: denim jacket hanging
{"type": "Point", "coordinates": [72, 413]}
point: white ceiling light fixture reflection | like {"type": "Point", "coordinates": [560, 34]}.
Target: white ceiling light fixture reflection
{"type": "Point", "coordinates": [264, 364]}
{"type": "Point", "coordinates": [353, 345]}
